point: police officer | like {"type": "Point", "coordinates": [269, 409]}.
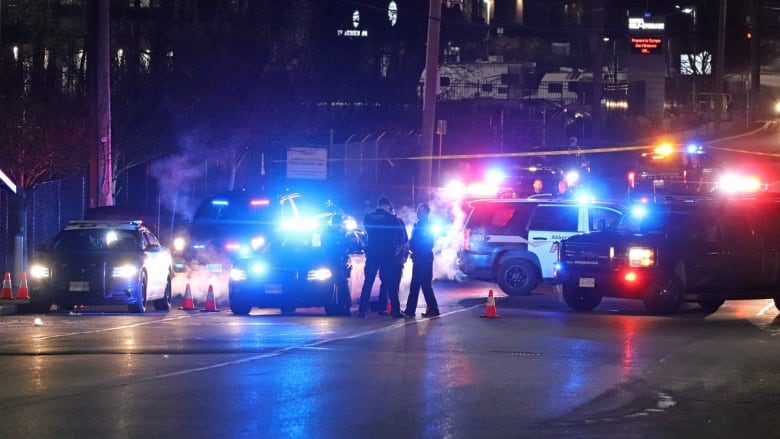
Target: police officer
{"type": "Point", "coordinates": [385, 241]}
{"type": "Point", "coordinates": [421, 246]}
{"type": "Point", "coordinates": [337, 246]}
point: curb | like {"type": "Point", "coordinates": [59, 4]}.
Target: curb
{"type": "Point", "coordinates": [6, 310]}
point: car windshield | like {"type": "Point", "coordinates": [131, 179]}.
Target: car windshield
{"type": "Point", "coordinates": [643, 219]}
{"type": "Point", "coordinates": [97, 240]}
{"type": "Point", "coordinates": [244, 209]}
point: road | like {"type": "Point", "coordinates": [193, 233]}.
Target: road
{"type": "Point", "coordinates": [538, 370]}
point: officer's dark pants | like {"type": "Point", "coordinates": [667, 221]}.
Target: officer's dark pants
{"type": "Point", "coordinates": [422, 276]}
{"type": "Point", "coordinates": [375, 264]}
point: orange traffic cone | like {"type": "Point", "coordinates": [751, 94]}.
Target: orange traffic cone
{"type": "Point", "coordinates": [188, 304]}
{"type": "Point", "coordinates": [490, 308]}
{"type": "Point", "coordinates": [211, 305]}
{"type": "Point", "coordinates": [23, 293]}
{"type": "Point", "coordinates": [7, 293]}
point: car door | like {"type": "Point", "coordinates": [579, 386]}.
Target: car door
{"type": "Point", "coordinates": [742, 247]}
{"type": "Point", "coordinates": [548, 225]}
{"type": "Point", "coordinates": [158, 261]}
{"type": "Point", "coordinates": [770, 240]}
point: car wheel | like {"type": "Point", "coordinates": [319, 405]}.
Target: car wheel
{"type": "Point", "coordinates": [240, 306]}
{"type": "Point", "coordinates": [164, 304]}
{"type": "Point", "coordinates": [517, 277]}
{"type": "Point", "coordinates": [578, 298]}
{"type": "Point", "coordinates": [710, 305]}
{"type": "Point", "coordinates": [140, 305]}
{"type": "Point", "coordinates": [288, 310]}
{"type": "Point", "coordinates": [665, 298]}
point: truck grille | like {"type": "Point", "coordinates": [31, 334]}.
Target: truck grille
{"type": "Point", "coordinates": [585, 255]}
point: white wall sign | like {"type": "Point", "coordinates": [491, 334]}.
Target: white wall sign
{"type": "Point", "coordinates": [307, 163]}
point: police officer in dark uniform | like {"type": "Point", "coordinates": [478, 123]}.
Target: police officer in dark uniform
{"type": "Point", "coordinates": [337, 247]}
{"type": "Point", "coordinates": [421, 246]}
{"type": "Point", "coordinates": [385, 241]}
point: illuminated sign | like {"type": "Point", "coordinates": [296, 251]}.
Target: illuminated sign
{"type": "Point", "coordinates": [641, 24]}
{"type": "Point", "coordinates": [307, 163]}
{"type": "Point", "coordinates": [392, 13]}
{"type": "Point", "coordinates": [646, 45]}
{"type": "Point", "coordinates": [355, 31]}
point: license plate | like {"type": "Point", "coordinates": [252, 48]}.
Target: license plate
{"type": "Point", "coordinates": [78, 286]}
{"type": "Point", "coordinates": [273, 288]}
{"type": "Point", "coordinates": [214, 268]}
{"type": "Point", "coordinates": [587, 282]}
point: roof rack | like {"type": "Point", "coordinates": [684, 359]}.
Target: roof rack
{"type": "Point", "coordinates": [718, 196]}
{"type": "Point", "coordinates": [105, 222]}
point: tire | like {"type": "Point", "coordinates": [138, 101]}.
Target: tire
{"type": "Point", "coordinates": [238, 306]}
{"type": "Point", "coordinates": [339, 305]}
{"type": "Point", "coordinates": [666, 297]}
{"type": "Point", "coordinates": [164, 304]}
{"type": "Point", "coordinates": [580, 299]}
{"type": "Point", "coordinates": [711, 305]}
{"type": "Point", "coordinates": [140, 306]}
{"type": "Point", "coordinates": [777, 302]}
{"type": "Point", "coordinates": [288, 310]}
{"type": "Point", "coordinates": [517, 277]}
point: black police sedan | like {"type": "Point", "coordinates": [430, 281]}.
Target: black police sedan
{"type": "Point", "coordinates": [101, 263]}
{"type": "Point", "coordinates": [308, 266]}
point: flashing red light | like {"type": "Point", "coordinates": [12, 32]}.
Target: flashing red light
{"type": "Point", "coordinates": [232, 246]}
{"type": "Point", "coordinates": [632, 179]}
{"type": "Point", "coordinates": [630, 277]}
{"type": "Point", "coordinates": [260, 202]}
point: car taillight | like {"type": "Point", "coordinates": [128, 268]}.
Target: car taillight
{"type": "Point", "coordinates": [466, 239]}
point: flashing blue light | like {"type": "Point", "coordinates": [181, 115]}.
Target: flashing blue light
{"type": "Point", "coordinates": [220, 203]}
{"type": "Point", "coordinates": [585, 198]}
{"type": "Point", "coordinates": [495, 176]}
{"type": "Point", "coordinates": [259, 268]}
{"type": "Point", "coordinates": [693, 148]}
{"type": "Point", "coordinates": [639, 211]}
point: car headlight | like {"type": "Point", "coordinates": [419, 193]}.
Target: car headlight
{"type": "Point", "coordinates": [237, 274]}
{"type": "Point", "coordinates": [641, 257]}
{"type": "Point", "coordinates": [350, 224]}
{"type": "Point", "coordinates": [179, 244]}
{"type": "Point", "coordinates": [319, 274]}
{"type": "Point", "coordinates": [125, 271]}
{"type": "Point", "coordinates": [39, 272]}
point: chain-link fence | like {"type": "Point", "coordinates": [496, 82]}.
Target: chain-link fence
{"type": "Point", "coordinates": [51, 206]}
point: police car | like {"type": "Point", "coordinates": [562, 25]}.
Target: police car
{"type": "Point", "coordinates": [673, 169]}
{"type": "Point", "coordinates": [514, 242]}
{"type": "Point", "coordinates": [701, 249]}
{"type": "Point", "coordinates": [94, 262]}
{"type": "Point", "coordinates": [229, 225]}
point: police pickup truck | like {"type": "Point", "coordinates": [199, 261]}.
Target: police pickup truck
{"type": "Point", "coordinates": [513, 242]}
{"type": "Point", "coordinates": [680, 249]}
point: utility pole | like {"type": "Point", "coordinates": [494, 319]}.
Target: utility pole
{"type": "Point", "coordinates": [105, 195]}
{"type": "Point", "coordinates": [720, 66]}
{"type": "Point", "coordinates": [755, 60]}
{"type": "Point", "coordinates": [429, 97]}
